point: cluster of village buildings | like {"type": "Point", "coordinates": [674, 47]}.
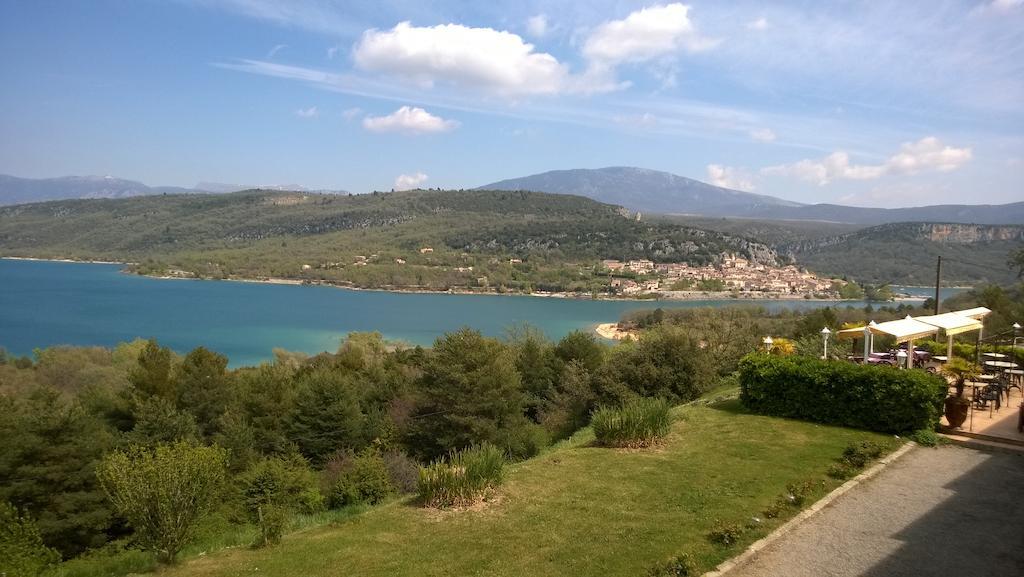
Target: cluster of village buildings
{"type": "Point", "coordinates": [735, 273]}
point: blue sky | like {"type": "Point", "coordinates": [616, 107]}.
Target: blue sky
{"type": "Point", "coordinates": [864, 103]}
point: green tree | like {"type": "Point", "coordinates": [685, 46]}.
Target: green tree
{"type": "Point", "coordinates": [266, 396]}
{"type": "Point", "coordinates": [327, 415]}
{"type": "Point", "coordinates": [164, 492]}
{"type": "Point", "coordinates": [667, 362]}
{"type": "Point", "coordinates": [470, 393]}
{"type": "Point", "coordinates": [583, 347]}
{"type": "Point", "coordinates": [158, 421]}
{"type": "Point", "coordinates": [538, 367]}
{"type": "Point", "coordinates": [568, 407]}
{"type": "Point", "coordinates": [275, 487]}
{"type": "Point", "coordinates": [49, 447]}
{"type": "Point", "coordinates": [153, 374]}
{"type": "Point", "coordinates": [203, 387]}
{"type": "Point", "coordinates": [22, 551]}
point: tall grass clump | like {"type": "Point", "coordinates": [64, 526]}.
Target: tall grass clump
{"type": "Point", "coordinates": [638, 423]}
{"type": "Point", "coordinates": [463, 477]}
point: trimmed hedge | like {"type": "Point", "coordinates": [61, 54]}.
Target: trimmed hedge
{"type": "Point", "coordinates": [884, 399]}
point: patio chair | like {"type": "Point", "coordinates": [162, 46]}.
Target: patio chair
{"type": "Point", "coordinates": [1011, 381]}
{"type": "Point", "coordinates": [988, 397]}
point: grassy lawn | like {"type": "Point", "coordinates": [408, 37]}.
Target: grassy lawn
{"type": "Point", "coordinates": [576, 509]}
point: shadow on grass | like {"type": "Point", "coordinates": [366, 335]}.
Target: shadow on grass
{"type": "Point", "coordinates": [732, 406]}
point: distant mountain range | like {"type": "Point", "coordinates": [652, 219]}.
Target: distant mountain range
{"type": "Point", "coordinates": [645, 190]}
{"type": "Point", "coordinates": [15, 190]}
{"type": "Point", "coordinates": [638, 189]}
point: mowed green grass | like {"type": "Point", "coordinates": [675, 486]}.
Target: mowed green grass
{"type": "Point", "coordinates": [576, 509]}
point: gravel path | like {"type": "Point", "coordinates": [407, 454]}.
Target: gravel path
{"type": "Point", "coordinates": [953, 512]}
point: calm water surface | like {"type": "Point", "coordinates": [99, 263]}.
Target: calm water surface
{"type": "Point", "coordinates": [51, 303]}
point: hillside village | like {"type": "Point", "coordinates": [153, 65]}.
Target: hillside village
{"type": "Point", "coordinates": [734, 273]}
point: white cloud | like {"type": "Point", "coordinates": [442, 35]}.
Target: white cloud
{"type": "Point", "coordinates": [729, 177]}
{"type": "Point", "coordinates": [537, 26]}
{"type": "Point", "coordinates": [409, 120]}
{"type": "Point", "coordinates": [645, 35]}
{"type": "Point", "coordinates": [311, 112]}
{"type": "Point", "coordinates": [759, 24]}
{"type": "Point", "coordinates": [998, 6]}
{"type": "Point", "coordinates": [762, 135]}
{"type": "Point", "coordinates": [410, 181]}
{"type": "Point", "coordinates": [273, 51]}
{"type": "Point", "coordinates": [913, 157]}
{"type": "Point", "coordinates": [485, 59]}
{"type": "Point", "coordinates": [928, 153]}
{"type": "Point", "coordinates": [644, 120]}
{"type": "Point", "coordinates": [352, 113]}
{"type": "Point", "coordinates": [332, 51]}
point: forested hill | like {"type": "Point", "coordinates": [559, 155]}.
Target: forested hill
{"type": "Point", "coordinates": [375, 240]}
{"type": "Point", "coordinates": [907, 252]}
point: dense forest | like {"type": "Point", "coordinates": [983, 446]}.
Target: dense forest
{"type": "Point", "coordinates": [499, 240]}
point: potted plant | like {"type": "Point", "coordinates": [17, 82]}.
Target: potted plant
{"type": "Point", "coordinates": [956, 406]}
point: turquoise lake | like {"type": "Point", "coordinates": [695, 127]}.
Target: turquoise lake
{"type": "Point", "coordinates": [53, 303]}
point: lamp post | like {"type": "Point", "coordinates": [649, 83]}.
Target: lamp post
{"type": "Point", "coordinates": [824, 335]}
{"type": "Point", "coordinates": [901, 359]}
{"type": "Point", "coordinates": [1016, 329]}
{"type": "Point", "coordinates": [767, 344]}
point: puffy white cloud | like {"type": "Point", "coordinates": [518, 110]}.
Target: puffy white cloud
{"type": "Point", "coordinates": [729, 177]}
{"type": "Point", "coordinates": [759, 24]}
{"type": "Point", "coordinates": [352, 113]}
{"type": "Point", "coordinates": [913, 157]}
{"type": "Point", "coordinates": [928, 154]}
{"type": "Point", "coordinates": [311, 112]}
{"type": "Point", "coordinates": [490, 60]}
{"type": "Point", "coordinates": [762, 135]}
{"type": "Point", "coordinates": [409, 120]}
{"type": "Point", "coordinates": [537, 26]}
{"type": "Point", "coordinates": [410, 181]}
{"type": "Point", "coordinates": [645, 35]}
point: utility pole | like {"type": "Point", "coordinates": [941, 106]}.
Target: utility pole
{"type": "Point", "coordinates": [938, 277]}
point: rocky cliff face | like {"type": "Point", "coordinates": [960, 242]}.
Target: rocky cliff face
{"type": "Point", "coordinates": [970, 233]}
{"type": "Point", "coordinates": [943, 233]}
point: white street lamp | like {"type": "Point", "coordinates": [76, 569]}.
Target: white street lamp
{"type": "Point", "coordinates": [824, 335]}
{"type": "Point", "coordinates": [901, 359]}
{"type": "Point", "coordinates": [1016, 329]}
{"type": "Point", "coordinates": [767, 344]}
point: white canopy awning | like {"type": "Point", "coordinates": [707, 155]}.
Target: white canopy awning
{"type": "Point", "coordinates": [854, 333]}
{"type": "Point", "coordinates": [952, 323]}
{"type": "Point", "coordinates": [975, 313]}
{"type": "Point", "coordinates": [904, 329]}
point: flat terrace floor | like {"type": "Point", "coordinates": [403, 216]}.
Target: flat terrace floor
{"type": "Point", "coordinates": [1001, 424]}
{"type": "Point", "coordinates": [945, 511]}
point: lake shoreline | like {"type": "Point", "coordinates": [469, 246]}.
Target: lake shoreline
{"type": "Point", "coordinates": [669, 296]}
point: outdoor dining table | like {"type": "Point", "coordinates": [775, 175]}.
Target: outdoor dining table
{"type": "Point", "coordinates": [1001, 364]}
{"type": "Point", "coordinates": [994, 355]}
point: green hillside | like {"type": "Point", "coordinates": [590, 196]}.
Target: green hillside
{"type": "Point", "coordinates": [901, 253]}
{"type": "Point", "coordinates": [306, 236]}
{"type": "Point", "coordinates": [906, 253]}
{"type": "Point", "coordinates": [578, 509]}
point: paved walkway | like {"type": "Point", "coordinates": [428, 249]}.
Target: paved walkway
{"type": "Point", "coordinates": [952, 511]}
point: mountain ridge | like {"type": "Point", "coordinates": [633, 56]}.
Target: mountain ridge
{"type": "Point", "coordinates": [648, 190]}
{"type": "Point", "coordinates": [17, 190]}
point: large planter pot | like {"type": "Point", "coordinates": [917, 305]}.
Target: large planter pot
{"type": "Point", "coordinates": [956, 411]}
